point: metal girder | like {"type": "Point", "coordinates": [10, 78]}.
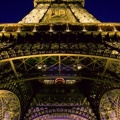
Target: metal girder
{"type": "Point", "coordinates": [106, 66]}
{"type": "Point", "coordinates": [60, 60]}
{"type": "Point", "coordinates": [79, 26]}
{"type": "Point", "coordinates": [65, 77]}
{"type": "Point", "coordinates": [13, 68]}
{"type": "Point", "coordinates": [48, 55]}
{"type": "Point", "coordinates": [59, 64]}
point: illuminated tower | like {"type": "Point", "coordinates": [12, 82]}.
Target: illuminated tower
{"type": "Point", "coordinates": [59, 11]}
{"type": "Point", "coordinates": [59, 62]}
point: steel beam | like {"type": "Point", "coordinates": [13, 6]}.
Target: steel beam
{"type": "Point", "coordinates": [13, 68]}
{"type": "Point", "coordinates": [45, 55]}
{"type": "Point", "coordinates": [105, 67]}
{"type": "Point", "coordinates": [59, 64]}
{"type": "Point", "coordinates": [78, 78]}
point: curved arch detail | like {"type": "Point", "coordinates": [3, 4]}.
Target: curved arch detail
{"type": "Point", "coordinates": [60, 113]}
{"type": "Point", "coordinates": [110, 105]}
{"type": "Point", "coordinates": [47, 107]}
{"type": "Point", "coordinates": [9, 106]}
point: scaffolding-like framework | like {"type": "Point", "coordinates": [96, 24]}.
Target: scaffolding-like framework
{"type": "Point", "coordinates": [62, 70]}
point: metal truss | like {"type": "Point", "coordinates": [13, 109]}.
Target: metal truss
{"type": "Point", "coordinates": [33, 39]}
{"type": "Point", "coordinates": [57, 27]}
{"type": "Point", "coordinates": [86, 53]}
{"type": "Point", "coordinates": [69, 66]}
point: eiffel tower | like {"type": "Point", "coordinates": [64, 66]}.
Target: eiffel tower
{"type": "Point", "coordinates": [59, 63]}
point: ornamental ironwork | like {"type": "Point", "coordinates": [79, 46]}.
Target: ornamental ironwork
{"type": "Point", "coordinates": [60, 42]}
{"type": "Point", "coordinates": [110, 105]}
{"type": "Point", "coordinates": [10, 108]}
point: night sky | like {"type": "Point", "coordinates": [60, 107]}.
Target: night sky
{"type": "Point", "coordinates": [12, 11]}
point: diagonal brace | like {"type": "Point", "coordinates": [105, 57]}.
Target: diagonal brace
{"type": "Point", "coordinates": [13, 68]}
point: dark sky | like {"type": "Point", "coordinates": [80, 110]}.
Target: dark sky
{"type": "Point", "coordinates": [11, 11]}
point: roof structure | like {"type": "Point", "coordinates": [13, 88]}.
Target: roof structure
{"type": "Point", "coordinates": [59, 62]}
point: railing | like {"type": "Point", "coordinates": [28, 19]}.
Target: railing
{"type": "Point", "coordinates": [66, 27]}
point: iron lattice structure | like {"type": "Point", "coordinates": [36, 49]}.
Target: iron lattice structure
{"type": "Point", "coordinates": [60, 68]}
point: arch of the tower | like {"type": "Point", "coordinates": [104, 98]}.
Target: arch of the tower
{"type": "Point", "coordinates": [10, 107]}
{"type": "Point", "coordinates": [45, 67]}
{"type": "Point", "coordinates": [60, 113]}
{"type": "Point", "coordinates": [71, 107]}
{"type": "Point", "coordinates": [110, 105]}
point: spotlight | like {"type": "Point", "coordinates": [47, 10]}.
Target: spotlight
{"type": "Point", "coordinates": [84, 29]}
{"type": "Point", "coordinates": [67, 28]}
{"type": "Point", "coordinates": [79, 66]}
{"type": "Point", "coordinates": [100, 30]}
{"type": "Point", "coordinates": [19, 29]}
{"type": "Point", "coordinates": [34, 29]}
{"type": "Point", "coordinates": [114, 28]}
{"type": "Point", "coordinates": [39, 66]}
{"type": "Point", "coordinates": [4, 29]}
{"type": "Point", "coordinates": [51, 28]}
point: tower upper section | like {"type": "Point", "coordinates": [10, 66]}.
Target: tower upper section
{"type": "Point", "coordinates": [59, 11]}
{"type": "Point", "coordinates": [36, 2]}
